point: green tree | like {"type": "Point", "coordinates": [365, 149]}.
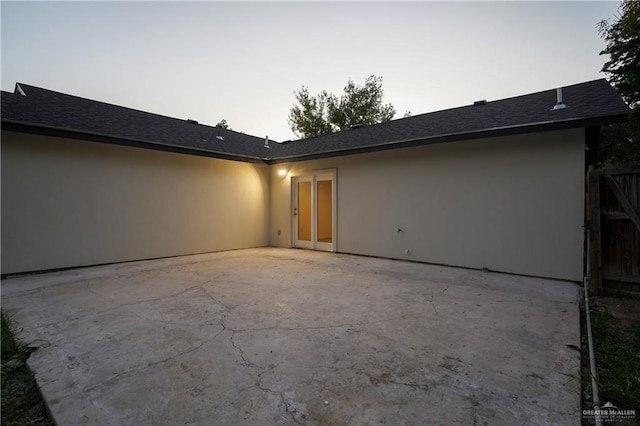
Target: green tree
{"type": "Point", "coordinates": [222, 124]}
{"type": "Point", "coordinates": [325, 112]}
{"type": "Point", "coordinates": [621, 142]}
{"type": "Point", "coordinates": [311, 117]}
{"type": "Point", "coordinates": [617, 144]}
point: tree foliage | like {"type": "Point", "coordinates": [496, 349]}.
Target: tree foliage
{"type": "Point", "coordinates": [222, 124]}
{"type": "Point", "coordinates": [325, 112]}
{"type": "Point", "coordinates": [311, 117]}
{"type": "Point", "coordinates": [618, 145]}
{"type": "Point", "coordinates": [622, 142]}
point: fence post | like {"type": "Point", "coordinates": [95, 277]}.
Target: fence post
{"type": "Point", "coordinates": [594, 254]}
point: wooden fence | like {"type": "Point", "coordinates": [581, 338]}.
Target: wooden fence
{"type": "Point", "coordinates": [613, 225]}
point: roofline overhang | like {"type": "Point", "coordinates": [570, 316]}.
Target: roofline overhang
{"type": "Point", "coordinates": [19, 127]}
{"type": "Point", "coordinates": [455, 137]}
{"type": "Point", "coordinates": [30, 128]}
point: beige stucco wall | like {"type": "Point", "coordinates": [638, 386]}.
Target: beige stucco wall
{"type": "Point", "coordinates": [71, 203]}
{"type": "Point", "coordinates": [511, 204]}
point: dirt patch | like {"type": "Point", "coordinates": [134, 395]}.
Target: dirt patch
{"type": "Point", "coordinates": [624, 309]}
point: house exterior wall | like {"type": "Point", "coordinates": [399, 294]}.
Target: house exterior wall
{"type": "Point", "coordinates": [512, 204]}
{"type": "Point", "coordinates": [71, 203]}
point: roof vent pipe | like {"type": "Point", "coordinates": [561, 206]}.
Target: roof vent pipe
{"type": "Point", "coordinates": [266, 142]}
{"type": "Point", "coordinates": [559, 103]}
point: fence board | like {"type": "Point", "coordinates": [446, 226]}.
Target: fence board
{"type": "Point", "coordinates": [594, 237]}
{"type": "Point", "coordinates": [620, 227]}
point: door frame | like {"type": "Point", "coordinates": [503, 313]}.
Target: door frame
{"type": "Point", "coordinates": [314, 177]}
{"type": "Point", "coordinates": [295, 180]}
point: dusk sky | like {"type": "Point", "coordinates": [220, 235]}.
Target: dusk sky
{"type": "Point", "coordinates": [242, 61]}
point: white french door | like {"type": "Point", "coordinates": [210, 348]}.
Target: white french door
{"type": "Point", "coordinates": [314, 210]}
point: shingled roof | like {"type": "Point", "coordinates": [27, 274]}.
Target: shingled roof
{"type": "Point", "coordinates": [35, 110]}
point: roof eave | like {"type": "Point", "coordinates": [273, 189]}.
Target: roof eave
{"type": "Point", "coordinates": [21, 127]}
{"type": "Point", "coordinates": [454, 137]}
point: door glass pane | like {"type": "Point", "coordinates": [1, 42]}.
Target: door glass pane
{"type": "Point", "coordinates": [325, 211]}
{"type": "Point", "coordinates": [304, 211]}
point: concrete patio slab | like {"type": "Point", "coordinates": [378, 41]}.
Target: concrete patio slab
{"type": "Point", "coordinates": [282, 336]}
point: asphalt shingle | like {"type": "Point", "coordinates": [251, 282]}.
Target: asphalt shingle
{"type": "Point", "coordinates": [590, 103]}
{"type": "Point", "coordinates": [45, 108]}
{"type": "Point", "coordinates": [595, 102]}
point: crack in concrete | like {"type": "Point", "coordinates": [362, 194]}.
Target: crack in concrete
{"type": "Point", "coordinates": [222, 322]}
{"type": "Point", "coordinates": [412, 385]}
{"type": "Point", "coordinates": [286, 408]}
{"type": "Point", "coordinates": [385, 378]}
{"type": "Point", "coordinates": [386, 353]}
{"type": "Point", "coordinates": [154, 299]}
{"type": "Point", "coordinates": [113, 308]}
{"type": "Point", "coordinates": [244, 362]}
{"type": "Point", "coordinates": [159, 320]}
{"type": "Point", "coordinates": [90, 284]}
{"type": "Point", "coordinates": [279, 395]}
{"type": "Point", "coordinates": [260, 386]}
{"type": "Point", "coordinates": [323, 327]}
{"type": "Point", "coordinates": [289, 410]}
{"type": "Point", "coordinates": [227, 306]}
{"type": "Point", "coordinates": [432, 302]}
{"type": "Point", "coordinates": [329, 367]}
{"type": "Point", "coordinates": [138, 369]}
{"type": "Point", "coordinates": [433, 305]}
